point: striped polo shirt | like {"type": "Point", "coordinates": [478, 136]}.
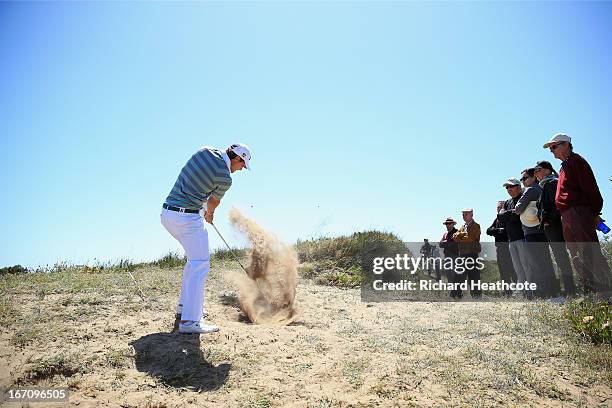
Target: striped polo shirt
{"type": "Point", "coordinates": [206, 173]}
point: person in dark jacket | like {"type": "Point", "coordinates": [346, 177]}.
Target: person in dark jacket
{"type": "Point", "coordinates": [580, 202]}
{"type": "Point", "coordinates": [450, 247]}
{"type": "Point", "coordinates": [426, 251]}
{"type": "Point", "coordinates": [540, 270]}
{"type": "Point", "coordinates": [550, 223]}
{"type": "Point", "coordinates": [514, 228]}
{"type": "Point", "coordinates": [435, 256]}
{"type": "Point", "coordinates": [504, 261]}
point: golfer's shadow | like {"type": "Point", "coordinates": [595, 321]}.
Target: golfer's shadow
{"type": "Point", "coordinates": [178, 361]}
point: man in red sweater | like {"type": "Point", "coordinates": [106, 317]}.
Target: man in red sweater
{"type": "Point", "coordinates": [579, 202]}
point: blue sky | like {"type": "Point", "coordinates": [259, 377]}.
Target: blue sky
{"type": "Point", "coordinates": [360, 115]}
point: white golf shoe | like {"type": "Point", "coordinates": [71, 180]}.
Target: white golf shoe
{"type": "Point", "coordinates": [197, 328]}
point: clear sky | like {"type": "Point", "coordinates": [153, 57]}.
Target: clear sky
{"type": "Point", "coordinates": [360, 115]}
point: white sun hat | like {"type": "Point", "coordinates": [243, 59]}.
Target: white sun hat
{"type": "Point", "coordinates": [559, 137]}
{"type": "Point", "coordinates": [512, 181]}
{"type": "Point", "coordinates": [243, 152]}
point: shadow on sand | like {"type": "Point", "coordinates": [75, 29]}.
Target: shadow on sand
{"type": "Point", "coordinates": [177, 360]}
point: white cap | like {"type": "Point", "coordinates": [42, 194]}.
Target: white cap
{"type": "Point", "coordinates": [243, 152]}
{"type": "Point", "coordinates": [512, 181]}
{"type": "Point", "coordinates": [559, 137]}
{"type": "Point", "coordinates": [468, 210]}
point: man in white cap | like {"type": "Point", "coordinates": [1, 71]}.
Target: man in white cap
{"type": "Point", "coordinates": [502, 249]}
{"type": "Point", "coordinates": [580, 202]}
{"type": "Point", "coordinates": [202, 181]}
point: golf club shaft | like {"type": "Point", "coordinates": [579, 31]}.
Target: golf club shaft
{"type": "Point", "coordinates": [228, 247]}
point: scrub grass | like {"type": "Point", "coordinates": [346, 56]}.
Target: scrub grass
{"type": "Point", "coordinates": [93, 333]}
{"type": "Point", "coordinates": [592, 319]}
{"type": "Point", "coordinates": [345, 261]}
{"type": "Point", "coordinates": [48, 367]}
{"type": "Point", "coordinates": [87, 328]}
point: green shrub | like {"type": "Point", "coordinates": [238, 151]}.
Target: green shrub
{"type": "Point", "coordinates": [48, 367]}
{"type": "Point", "coordinates": [125, 264]}
{"type": "Point", "coordinates": [344, 261]}
{"type": "Point", "coordinates": [26, 335]}
{"type": "Point", "coordinates": [119, 358]}
{"type": "Point", "coordinates": [606, 249]}
{"type": "Point", "coordinates": [13, 270]}
{"type": "Point", "coordinates": [591, 319]}
{"type": "Point", "coordinates": [227, 255]}
{"type": "Point", "coordinates": [307, 271]}
{"type": "Point", "coordinates": [8, 313]}
{"type": "Point", "coordinates": [170, 260]}
{"type": "Point", "coordinates": [260, 401]}
{"type": "Point", "coordinates": [351, 278]}
{"type": "Point", "coordinates": [174, 260]}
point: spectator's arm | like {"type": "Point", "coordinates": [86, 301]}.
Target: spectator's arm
{"type": "Point", "coordinates": [459, 236]}
{"type": "Point", "coordinates": [522, 203]}
{"type": "Point", "coordinates": [443, 241]}
{"type": "Point", "coordinates": [492, 230]}
{"type": "Point", "coordinates": [503, 215]}
{"type": "Point", "coordinates": [588, 184]}
{"type": "Point", "coordinates": [530, 194]}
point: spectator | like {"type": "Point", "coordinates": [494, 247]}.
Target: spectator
{"type": "Point", "coordinates": [514, 229]}
{"type": "Point", "coordinates": [426, 253]}
{"type": "Point", "coordinates": [450, 247]}
{"type": "Point", "coordinates": [468, 238]}
{"type": "Point", "coordinates": [435, 257]}
{"type": "Point", "coordinates": [579, 202]}
{"type": "Point", "coordinates": [504, 261]}
{"type": "Point", "coordinates": [550, 223]}
{"type": "Point", "coordinates": [540, 269]}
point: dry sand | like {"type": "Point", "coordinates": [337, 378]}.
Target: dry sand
{"type": "Point", "coordinates": [117, 351]}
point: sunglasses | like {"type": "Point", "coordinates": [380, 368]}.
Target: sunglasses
{"type": "Point", "coordinates": [554, 147]}
{"type": "Point", "coordinates": [524, 178]}
{"type": "Point", "coordinates": [509, 187]}
{"type": "Point", "coordinates": [537, 169]}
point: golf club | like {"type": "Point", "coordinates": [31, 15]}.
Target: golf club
{"type": "Point", "coordinates": [228, 247]}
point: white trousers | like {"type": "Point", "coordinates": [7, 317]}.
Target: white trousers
{"type": "Point", "coordinates": [189, 230]}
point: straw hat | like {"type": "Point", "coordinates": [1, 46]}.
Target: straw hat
{"type": "Point", "coordinates": [449, 220]}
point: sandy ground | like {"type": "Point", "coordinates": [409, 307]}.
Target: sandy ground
{"type": "Point", "coordinates": [114, 349]}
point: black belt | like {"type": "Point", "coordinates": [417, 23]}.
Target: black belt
{"type": "Point", "coordinates": [179, 209]}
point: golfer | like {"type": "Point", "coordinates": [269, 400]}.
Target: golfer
{"type": "Point", "coordinates": [203, 181]}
